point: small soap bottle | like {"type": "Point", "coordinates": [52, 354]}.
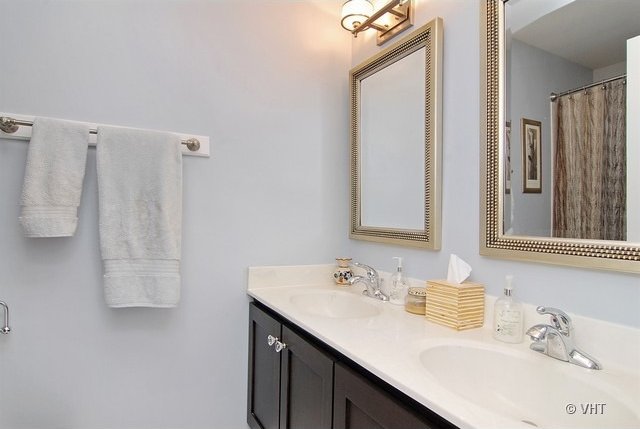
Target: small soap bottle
{"type": "Point", "coordinates": [399, 285]}
{"type": "Point", "coordinates": [508, 316]}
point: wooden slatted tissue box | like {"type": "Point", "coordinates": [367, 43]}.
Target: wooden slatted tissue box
{"type": "Point", "coordinates": [458, 306]}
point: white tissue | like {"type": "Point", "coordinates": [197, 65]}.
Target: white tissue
{"type": "Point", "coordinates": [458, 271]}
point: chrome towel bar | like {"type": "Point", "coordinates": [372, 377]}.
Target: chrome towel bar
{"type": "Point", "coordinates": [10, 127]}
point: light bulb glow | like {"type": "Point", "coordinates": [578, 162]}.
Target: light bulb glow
{"type": "Point", "coordinates": [354, 13]}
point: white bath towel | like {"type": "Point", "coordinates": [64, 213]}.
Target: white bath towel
{"type": "Point", "coordinates": [53, 178]}
{"type": "Point", "coordinates": [140, 211]}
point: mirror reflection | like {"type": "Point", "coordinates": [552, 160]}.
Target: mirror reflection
{"type": "Point", "coordinates": [396, 142]}
{"type": "Point", "coordinates": [392, 141]}
{"type": "Point", "coordinates": [569, 165]}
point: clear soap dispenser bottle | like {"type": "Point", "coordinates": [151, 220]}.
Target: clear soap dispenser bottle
{"type": "Point", "coordinates": [399, 285]}
{"type": "Point", "coordinates": [508, 316]}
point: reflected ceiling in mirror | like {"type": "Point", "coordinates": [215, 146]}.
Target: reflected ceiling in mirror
{"type": "Point", "coordinates": [395, 142]}
{"type": "Point", "coordinates": [558, 174]}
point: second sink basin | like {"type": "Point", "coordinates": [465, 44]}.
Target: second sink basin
{"type": "Point", "coordinates": [334, 304]}
{"type": "Point", "coordinates": [531, 390]}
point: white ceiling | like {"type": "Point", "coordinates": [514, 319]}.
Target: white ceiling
{"type": "Point", "coordinates": [592, 33]}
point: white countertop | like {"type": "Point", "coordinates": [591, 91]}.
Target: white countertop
{"type": "Point", "coordinates": [389, 344]}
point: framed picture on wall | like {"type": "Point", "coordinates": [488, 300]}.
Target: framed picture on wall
{"type": "Point", "coordinates": [531, 156]}
{"type": "Point", "coordinates": [507, 158]}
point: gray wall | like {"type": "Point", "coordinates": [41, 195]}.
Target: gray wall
{"type": "Point", "coordinates": [593, 293]}
{"type": "Point", "coordinates": [533, 75]}
{"type": "Point", "coordinates": [273, 97]}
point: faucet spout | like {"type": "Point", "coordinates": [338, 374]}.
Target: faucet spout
{"type": "Point", "coordinates": [360, 279]}
{"type": "Point", "coordinates": [579, 357]}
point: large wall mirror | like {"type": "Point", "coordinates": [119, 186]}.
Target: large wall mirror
{"type": "Point", "coordinates": [561, 153]}
{"type": "Point", "coordinates": [396, 142]}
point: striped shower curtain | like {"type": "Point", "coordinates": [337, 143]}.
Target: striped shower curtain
{"type": "Point", "coordinates": [589, 191]}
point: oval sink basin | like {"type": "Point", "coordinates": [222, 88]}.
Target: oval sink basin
{"type": "Point", "coordinates": [334, 305]}
{"type": "Point", "coordinates": [530, 391]}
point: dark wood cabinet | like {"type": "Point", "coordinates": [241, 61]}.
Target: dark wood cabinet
{"type": "Point", "coordinates": [290, 381]}
{"type": "Point", "coordinates": [360, 404]}
{"type": "Point", "coordinates": [306, 389]}
{"type": "Point", "coordinates": [263, 410]}
{"type": "Point", "coordinates": [309, 385]}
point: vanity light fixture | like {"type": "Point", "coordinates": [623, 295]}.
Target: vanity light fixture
{"type": "Point", "coordinates": [354, 13]}
{"type": "Point", "coordinates": [391, 19]}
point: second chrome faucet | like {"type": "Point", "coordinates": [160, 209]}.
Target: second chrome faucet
{"type": "Point", "coordinates": [371, 280]}
{"type": "Point", "coordinates": [557, 341]}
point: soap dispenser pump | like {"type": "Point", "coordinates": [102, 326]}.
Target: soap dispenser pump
{"type": "Point", "coordinates": [399, 285]}
{"type": "Point", "coordinates": [508, 316]}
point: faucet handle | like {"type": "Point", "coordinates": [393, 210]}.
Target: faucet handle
{"type": "Point", "coordinates": [371, 272]}
{"type": "Point", "coordinates": [559, 318]}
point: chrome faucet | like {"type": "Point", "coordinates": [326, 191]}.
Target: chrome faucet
{"type": "Point", "coordinates": [371, 281]}
{"type": "Point", "coordinates": [557, 340]}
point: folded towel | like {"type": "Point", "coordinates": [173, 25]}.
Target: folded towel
{"type": "Point", "coordinates": [140, 211]}
{"type": "Point", "coordinates": [53, 178]}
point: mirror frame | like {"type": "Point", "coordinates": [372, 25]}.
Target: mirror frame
{"type": "Point", "coordinates": [601, 254]}
{"type": "Point", "coordinates": [428, 36]}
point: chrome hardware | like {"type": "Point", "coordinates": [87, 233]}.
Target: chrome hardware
{"type": "Point", "coordinates": [193, 144]}
{"type": "Point", "coordinates": [271, 340]}
{"type": "Point", "coordinates": [280, 346]}
{"type": "Point", "coordinates": [557, 341]}
{"type": "Point", "coordinates": [371, 281]}
{"type": "Point", "coordinates": [559, 318]}
{"type": "Point", "coordinates": [10, 126]}
{"type": "Point", "coordinates": [5, 329]}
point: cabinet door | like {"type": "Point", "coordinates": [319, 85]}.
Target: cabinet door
{"type": "Point", "coordinates": [264, 371]}
{"type": "Point", "coordinates": [306, 391]}
{"type": "Point", "coordinates": [359, 404]}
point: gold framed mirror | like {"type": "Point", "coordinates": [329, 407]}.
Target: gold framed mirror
{"type": "Point", "coordinates": [553, 242]}
{"type": "Point", "coordinates": [396, 142]}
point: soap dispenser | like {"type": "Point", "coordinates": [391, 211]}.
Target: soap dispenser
{"type": "Point", "coordinates": [508, 316]}
{"type": "Point", "coordinates": [399, 285]}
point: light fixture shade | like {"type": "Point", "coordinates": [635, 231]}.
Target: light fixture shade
{"type": "Point", "coordinates": [355, 12]}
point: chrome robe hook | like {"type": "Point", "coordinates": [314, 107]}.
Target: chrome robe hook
{"type": "Point", "coordinates": [5, 329]}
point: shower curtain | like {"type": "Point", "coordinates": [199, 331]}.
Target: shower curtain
{"type": "Point", "coordinates": [589, 192]}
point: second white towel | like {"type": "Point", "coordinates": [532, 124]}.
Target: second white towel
{"type": "Point", "coordinates": [140, 216]}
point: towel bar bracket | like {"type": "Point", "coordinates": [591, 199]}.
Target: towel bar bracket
{"type": "Point", "coordinates": [192, 144]}
{"type": "Point", "coordinates": [8, 125]}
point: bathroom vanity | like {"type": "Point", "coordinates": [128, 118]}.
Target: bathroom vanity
{"type": "Point", "coordinates": [325, 356]}
{"type": "Point", "coordinates": [297, 381]}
